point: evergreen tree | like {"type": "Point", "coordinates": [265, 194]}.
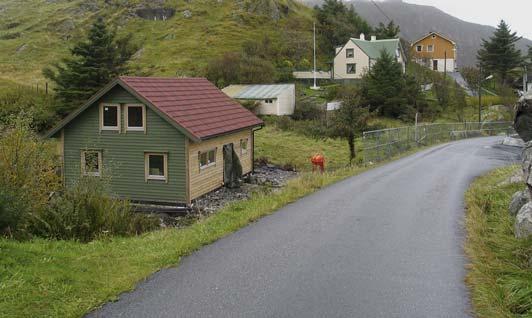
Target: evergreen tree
{"type": "Point", "coordinates": [499, 55]}
{"type": "Point", "coordinates": [390, 31]}
{"type": "Point", "coordinates": [336, 23]}
{"type": "Point", "coordinates": [93, 64]}
{"type": "Point", "coordinates": [382, 87]}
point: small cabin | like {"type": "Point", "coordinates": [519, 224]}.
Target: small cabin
{"type": "Point", "coordinates": [155, 139]}
{"type": "Point", "coordinates": [273, 99]}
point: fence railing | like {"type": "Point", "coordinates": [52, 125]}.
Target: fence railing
{"type": "Point", "coordinates": [379, 145]}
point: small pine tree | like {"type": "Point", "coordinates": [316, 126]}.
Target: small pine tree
{"type": "Point", "coordinates": [390, 31]}
{"type": "Point", "coordinates": [382, 86]}
{"type": "Point", "coordinates": [93, 64]}
{"type": "Point", "coordinates": [499, 55]}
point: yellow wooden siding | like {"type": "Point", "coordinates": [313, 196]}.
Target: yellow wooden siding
{"type": "Point", "coordinates": [206, 180]}
{"type": "Point", "coordinates": [440, 46]}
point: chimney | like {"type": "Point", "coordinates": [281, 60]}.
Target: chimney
{"type": "Point", "coordinates": [373, 38]}
{"type": "Point", "coordinates": [362, 36]}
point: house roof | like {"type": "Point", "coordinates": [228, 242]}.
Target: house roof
{"type": "Point", "coordinates": [271, 91]}
{"type": "Point", "coordinates": [433, 33]}
{"type": "Point", "coordinates": [374, 48]}
{"type": "Point", "coordinates": [193, 105]}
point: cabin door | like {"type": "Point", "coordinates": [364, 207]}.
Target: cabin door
{"type": "Point", "coordinates": [434, 65]}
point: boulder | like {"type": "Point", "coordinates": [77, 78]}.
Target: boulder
{"type": "Point", "coordinates": [523, 222]}
{"type": "Point", "coordinates": [527, 164]}
{"type": "Point", "coordinates": [519, 199]}
{"type": "Point", "coordinates": [187, 14]}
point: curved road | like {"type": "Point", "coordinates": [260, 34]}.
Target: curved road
{"type": "Point", "coordinates": [386, 243]}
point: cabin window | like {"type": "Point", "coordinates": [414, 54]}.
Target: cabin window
{"type": "Point", "coordinates": [91, 163]}
{"type": "Point", "coordinates": [349, 53]}
{"type": "Point", "coordinates": [110, 117]}
{"type": "Point", "coordinates": [351, 68]}
{"type": "Point", "coordinates": [156, 166]}
{"type": "Point", "coordinates": [430, 48]}
{"type": "Point", "coordinates": [207, 158]}
{"type": "Point", "coordinates": [268, 101]}
{"type": "Point", "coordinates": [244, 146]}
{"type": "Point", "coordinates": [419, 48]}
{"type": "Point", "coordinates": [135, 117]}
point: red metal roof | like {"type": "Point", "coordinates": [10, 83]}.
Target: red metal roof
{"type": "Point", "coordinates": [194, 104]}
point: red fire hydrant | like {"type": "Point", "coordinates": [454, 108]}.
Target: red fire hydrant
{"type": "Point", "coordinates": [318, 161]}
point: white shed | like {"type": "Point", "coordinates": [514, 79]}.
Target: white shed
{"type": "Point", "coordinates": [274, 99]}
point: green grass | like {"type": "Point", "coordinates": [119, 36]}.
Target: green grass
{"type": "Point", "coordinates": [67, 279]}
{"type": "Point", "coordinates": [286, 148]}
{"type": "Point", "coordinates": [176, 46]}
{"type": "Point", "coordinates": [499, 277]}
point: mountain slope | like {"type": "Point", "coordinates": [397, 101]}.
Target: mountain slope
{"type": "Point", "coordinates": [417, 20]}
{"type": "Point", "coordinates": [177, 36]}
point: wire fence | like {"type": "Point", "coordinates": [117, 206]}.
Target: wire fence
{"type": "Point", "coordinates": [379, 145]}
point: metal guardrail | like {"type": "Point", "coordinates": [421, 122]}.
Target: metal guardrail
{"type": "Point", "coordinates": [380, 145]}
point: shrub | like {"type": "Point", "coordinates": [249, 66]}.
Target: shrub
{"type": "Point", "coordinates": [307, 109]}
{"type": "Point", "coordinates": [27, 174]}
{"type": "Point", "coordinates": [85, 212]}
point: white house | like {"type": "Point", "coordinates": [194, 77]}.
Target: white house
{"type": "Point", "coordinates": [355, 58]}
{"type": "Point", "coordinates": [274, 99]}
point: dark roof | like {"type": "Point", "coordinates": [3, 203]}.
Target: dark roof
{"type": "Point", "coordinates": [195, 105]}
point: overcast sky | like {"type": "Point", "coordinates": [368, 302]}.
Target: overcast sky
{"type": "Point", "coordinates": [518, 13]}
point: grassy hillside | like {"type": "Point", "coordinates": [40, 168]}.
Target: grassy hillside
{"type": "Point", "coordinates": [35, 33]}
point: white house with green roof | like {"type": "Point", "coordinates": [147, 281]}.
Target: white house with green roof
{"type": "Point", "coordinates": [355, 58]}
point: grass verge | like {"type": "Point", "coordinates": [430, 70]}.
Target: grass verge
{"type": "Point", "coordinates": [500, 275]}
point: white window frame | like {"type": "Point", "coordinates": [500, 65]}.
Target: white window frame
{"type": "Point", "coordinates": [84, 172]}
{"type": "Point", "coordinates": [347, 68]}
{"type": "Point", "coordinates": [118, 115]}
{"type": "Point", "coordinates": [242, 150]}
{"type": "Point", "coordinates": [347, 56]}
{"type": "Point", "coordinates": [147, 174]}
{"type": "Point", "coordinates": [430, 48]}
{"type": "Point", "coordinates": [209, 164]}
{"type": "Point", "coordinates": [419, 48]}
{"type": "Point", "coordinates": [126, 119]}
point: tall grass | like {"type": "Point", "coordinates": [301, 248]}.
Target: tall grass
{"type": "Point", "coordinates": [500, 273]}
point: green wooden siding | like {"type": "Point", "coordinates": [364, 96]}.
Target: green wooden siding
{"type": "Point", "coordinates": [123, 153]}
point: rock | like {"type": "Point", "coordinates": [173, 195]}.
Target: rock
{"type": "Point", "coordinates": [187, 14]}
{"type": "Point", "coordinates": [514, 141]}
{"type": "Point", "coordinates": [527, 164]}
{"type": "Point", "coordinates": [21, 48]}
{"type": "Point", "coordinates": [523, 222]}
{"type": "Point", "coordinates": [523, 117]}
{"type": "Point", "coordinates": [161, 14]}
{"type": "Point", "coordinates": [519, 199]}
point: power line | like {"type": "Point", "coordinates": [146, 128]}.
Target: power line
{"type": "Point", "coordinates": [381, 11]}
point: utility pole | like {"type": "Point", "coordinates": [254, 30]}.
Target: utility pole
{"type": "Point", "coordinates": [479, 94]}
{"type": "Point", "coordinates": [445, 65]}
{"type": "Point", "coordinates": [314, 39]}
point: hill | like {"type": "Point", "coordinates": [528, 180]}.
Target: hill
{"type": "Point", "coordinates": [176, 37]}
{"type": "Point", "coordinates": [417, 20]}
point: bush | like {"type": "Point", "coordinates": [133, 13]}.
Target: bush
{"type": "Point", "coordinates": [307, 109]}
{"type": "Point", "coordinates": [30, 103]}
{"type": "Point", "coordinates": [85, 212]}
{"type": "Point", "coordinates": [27, 174]}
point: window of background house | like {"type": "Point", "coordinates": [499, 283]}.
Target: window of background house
{"type": "Point", "coordinates": [110, 117]}
{"type": "Point", "coordinates": [430, 48]}
{"type": "Point", "coordinates": [207, 158]}
{"type": "Point", "coordinates": [349, 53]}
{"type": "Point", "coordinates": [135, 117]}
{"type": "Point", "coordinates": [244, 146]}
{"type": "Point", "coordinates": [268, 101]}
{"type": "Point", "coordinates": [351, 68]}
{"type": "Point", "coordinates": [156, 166]}
{"type": "Point", "coordinates": [419, 48]}
{"type": "Point", "coordinates": [91, 163]}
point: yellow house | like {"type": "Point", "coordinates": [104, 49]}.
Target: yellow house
{"type": "Point", "coordinates": [436, 52]}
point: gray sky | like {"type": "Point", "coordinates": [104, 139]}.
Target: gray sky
{"type": "Point", "coordinates": [518, 13]}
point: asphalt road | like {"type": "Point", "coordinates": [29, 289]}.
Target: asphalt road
{"type": "Point", "coordinates": [386, 243]}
